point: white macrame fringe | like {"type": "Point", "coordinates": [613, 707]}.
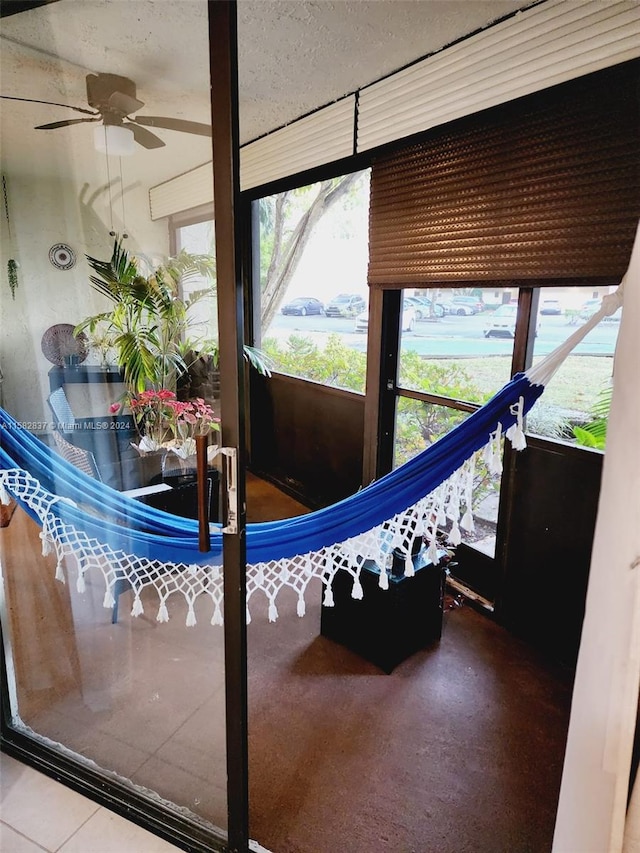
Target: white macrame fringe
{"type": "Point", "coordinates": [216, 619]}
{"type": "Point", "coordinates": [515, 433]}
{"type": "Point", "coordinates": [450, 502]}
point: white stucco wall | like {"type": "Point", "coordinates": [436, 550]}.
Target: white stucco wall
{"type": "Point", "coordinates": [42, 213]}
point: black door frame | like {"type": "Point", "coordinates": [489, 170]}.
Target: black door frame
{"type": "Point", "coordinates": [223, 50]}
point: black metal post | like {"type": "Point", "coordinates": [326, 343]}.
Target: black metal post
{"type": "Point", "coordinates": [224, 108]}
{"type": "Point", "coordinates": [390, 330]}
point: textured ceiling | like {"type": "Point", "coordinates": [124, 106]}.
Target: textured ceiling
{"type": "Point", "coordinates": [294, 56]}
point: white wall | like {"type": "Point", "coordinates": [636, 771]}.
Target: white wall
{"type": "Point", "coordinates": [43, 213]}
{"type": "Point", "coordinates": [593, 795]}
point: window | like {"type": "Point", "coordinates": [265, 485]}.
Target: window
{"type": "Point", "coordinates": [578, 395]}
{"type": "Point", "coordinates": [313, 275]}
{"type": "Point", "coordinates": [456, 351]}
{"type": "Point", "coordinates": [199, 238]}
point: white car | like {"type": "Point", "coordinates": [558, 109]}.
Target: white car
{"type": "Point", "coordinates": [408, 320]}
{"type": "Point", "coordinates": [463, 306]}
{"type": "Point", "coordinates": [550, 306]}
{"type": "Point", "coordinates": [502, 323]}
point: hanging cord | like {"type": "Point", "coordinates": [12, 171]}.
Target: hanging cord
{"type": "Point", "coordinates": [124, 220]}
{"type": "Point", "coordinates": [112, 233]}
{"type": "Point", "coordinates": [12, 264]}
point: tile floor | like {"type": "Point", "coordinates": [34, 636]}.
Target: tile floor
{"type": "Point", "coordinates": [37, 813]}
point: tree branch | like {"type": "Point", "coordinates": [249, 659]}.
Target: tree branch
{"type": "Point", "coordinates": [285, 258]}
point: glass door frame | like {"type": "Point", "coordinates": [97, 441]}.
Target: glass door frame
{"type": "Point", "coordinates": [233, 250]}
{"type": "Point", "coordinates": [232, 274]}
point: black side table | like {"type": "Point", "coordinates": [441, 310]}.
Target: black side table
{"type": "Point", "coordinates": [182, 498]}
{"type": "Point", "coordinates": [387, 626]}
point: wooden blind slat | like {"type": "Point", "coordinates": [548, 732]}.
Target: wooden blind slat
{"type": "Point", "coordinates": [546, 188]}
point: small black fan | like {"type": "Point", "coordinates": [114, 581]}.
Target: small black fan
{"type": "Point", "coordinates": [114, 101]}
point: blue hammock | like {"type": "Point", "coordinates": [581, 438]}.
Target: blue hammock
{"type": "Point", "coordinates": [128, 525]}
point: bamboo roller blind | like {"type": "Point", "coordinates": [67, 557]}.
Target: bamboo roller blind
{"type": "Point", "coordinates": [546, 188]}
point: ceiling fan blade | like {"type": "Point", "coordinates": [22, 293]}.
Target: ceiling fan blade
{"type": "Point", "coordinates": [144, 137]}
{"type": "Point", "coordinates": [124, 104]}
{"type": "Point", "coordinates": [65, 123]}
{"type": "Point", "coordinates": [52, 103]}
{"type": "Point", "coordinates": [174, 124]}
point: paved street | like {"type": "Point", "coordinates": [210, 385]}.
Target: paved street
{"type": "Point", "coordinates": [452, 335]}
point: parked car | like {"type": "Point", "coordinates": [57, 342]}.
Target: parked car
{"type": "Point", "coordinates": [464, 305]}
{"type": "Point", "coordinates": [303, 305]}
{"type": "Point", "coordinates": [345, 305]}
{"type": "Point", "coordinates": [422, 306]}
{"type": "Point", "coordinates": [408, 320]}
{"type": "Point", "coordinates": [502, 323]}
{"type": "Point", "coordinates": [550, 307]}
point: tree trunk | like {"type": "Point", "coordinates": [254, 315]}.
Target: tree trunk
{"type": "Point", "coordinates": [287, 253]}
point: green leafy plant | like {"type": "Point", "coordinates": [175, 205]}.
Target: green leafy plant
{"type": "Point", "coordinates": [336, 364]}
{"type": "Point", "coordinates": [258, 359]}
{"type": "Point", "coordinates": [148, 326]}
{"type": "Point", "coordinates": [594, 433]}
{"type": "Point", "coordinates": [149, 318]}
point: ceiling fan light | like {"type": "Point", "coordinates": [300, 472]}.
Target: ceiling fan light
{"type": "Point", "coordinates": [114, 140]}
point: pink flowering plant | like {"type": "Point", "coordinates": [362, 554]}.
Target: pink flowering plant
{"type": "Point", "coordinates": [166, 423]}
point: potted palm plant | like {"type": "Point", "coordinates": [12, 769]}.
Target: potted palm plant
{"type": "Point", "coordinates": [148, 326]}
{"type": "Point", "coordinates": [149, 319]}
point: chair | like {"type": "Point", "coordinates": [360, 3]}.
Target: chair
{"type": "Point", "coordinates": [64, 418]}
{"type": "Point", "coordinates": [85, 461]}
{"type": "Point", "coordinates": [107, 440]}
{"type": "Point", "coordinates": [78, 456]}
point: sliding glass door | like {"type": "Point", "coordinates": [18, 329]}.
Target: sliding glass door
{"type": "Point", "coordinates": [115, 672]}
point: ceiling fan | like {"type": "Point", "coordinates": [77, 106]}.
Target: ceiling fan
{"type": "Point", "coordinates": [114, 101]}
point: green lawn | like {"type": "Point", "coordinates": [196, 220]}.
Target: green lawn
{"type": "Point", "coordinates": [574, 387]}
